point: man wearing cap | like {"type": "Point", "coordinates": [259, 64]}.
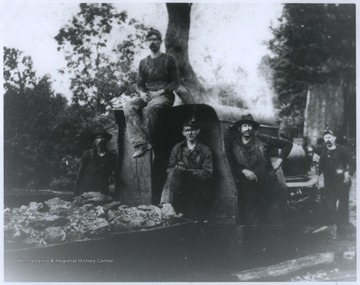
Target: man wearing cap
{"type": "Point", "coordinates": [259, 189]}
{"type": "Point", "coordinates": [189, 173]}
{"type": "Point", "coordinates": [157, 79]}
{"type": "Point", "coordinates": [96, 166]}
{"type": "Point", "coordinates": [337, 165]}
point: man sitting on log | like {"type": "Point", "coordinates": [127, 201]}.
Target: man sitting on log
{"type": "Point", "coordinates": [190, 170]}
{"type": "Point", "coordinates": [158, 78]}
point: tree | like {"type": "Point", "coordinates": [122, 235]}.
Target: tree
{"type": "Point", "coordinates": [313, 44]}
{"type": "Point", "coordinates": [176, 43]}
{"type": "Point", "coordinates": [18, 70]}
{"type": "Point", "coordinates": [31, 151]}
{"type": "Point", "coordinates": [40, 128]}
{"type": "Point", "coordinates": [100, 70]}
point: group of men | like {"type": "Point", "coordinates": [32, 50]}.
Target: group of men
{"type": "Point", "coordinates": [190, 168]}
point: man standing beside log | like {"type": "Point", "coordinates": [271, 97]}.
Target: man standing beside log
{"type": "Point", "coordinates": [157, 79]}
{"type": "Point", "coordinates": [258, 185]}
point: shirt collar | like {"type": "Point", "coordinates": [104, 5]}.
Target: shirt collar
{"type": "Point", "coordinates": [184, 144]}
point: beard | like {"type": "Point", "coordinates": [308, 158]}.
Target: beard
{"type": "Point", "coordinates": [100, 144]}
{"type": "Point", "coordinates": [154, 48]}
{"type": "Point", "coordinates": [328, 143]}
{"type": "Point", "coordinates": [247, 133]}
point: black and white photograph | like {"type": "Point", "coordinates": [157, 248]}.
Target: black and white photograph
{"type": "Point", "coordinates": [178, 141]}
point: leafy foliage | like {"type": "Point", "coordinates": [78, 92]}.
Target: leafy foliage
{"type": "Point", "coordinates": [314, 43]}
{"type": "Point", "coordinates": [100, 67]}
{"type": "Point", "coordinates": [31, 149]}
{"type": "Point", "coordinates": [18, 70]}
{"type": "Point", "coordinates": [43, 135]}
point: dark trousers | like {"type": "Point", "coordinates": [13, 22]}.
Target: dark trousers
{"type": "Point", "coordinates": [260, 202]}
{"type": "Point", "coordinates": [336, 191]}
{"type": "Point", "coordinates": [187, 193]}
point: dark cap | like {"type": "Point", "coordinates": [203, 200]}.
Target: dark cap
{"type": "Point", "coordinates": [102, 131]}
{"type": "Point", "coordinates": [247, 119]}
{"type": "Point", "coordinates": [191, 123]}
{"type": "Point", "coordinates": [154, 32]}
{"type": "Point", "coordinates": [327, 131]}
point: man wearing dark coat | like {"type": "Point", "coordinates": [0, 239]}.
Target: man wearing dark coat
{"type": "Point", "coordinates": [96, 166]}
{"type": "Point", "coordinates": [258, 185]}
{"type": "Point", "coordinates": [337, 166]}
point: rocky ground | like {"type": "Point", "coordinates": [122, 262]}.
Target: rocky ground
{"type": "Point", "coordinates": [90, 215]}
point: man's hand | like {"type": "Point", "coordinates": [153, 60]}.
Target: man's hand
{"type": "Point", "coordinates": [180, 166]}
{"type": "Point", "coordinates": [249, 175]}
{"type": "Point", "coordinates": [155, 94]}
{"type": "Point", "coordinates": [277, 163]}
{"type": "Point", "coordinates": [145, 96]}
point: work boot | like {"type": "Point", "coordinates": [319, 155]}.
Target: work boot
{"type": "Point", "coordinates": [141, 150]}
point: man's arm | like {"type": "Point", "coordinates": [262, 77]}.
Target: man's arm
{"type": "Point", "coordinates": [350, 167]}
{"type": "Point", "coordinates": [205, 173]}
{"type": "Point", "coordinates": [141, 82]}
{"type": "Point", "coordinates": [351, 163]}
{"type": "Point", "coordinates": [173, 160]}
{"type": "Point", "coordinates": [285, 147]}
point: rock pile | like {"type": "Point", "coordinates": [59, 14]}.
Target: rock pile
{"type": "Point", "coordinates": [89, 215]}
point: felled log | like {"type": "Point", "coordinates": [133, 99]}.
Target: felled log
{"type": "Point", "coordinates": [286, 267]}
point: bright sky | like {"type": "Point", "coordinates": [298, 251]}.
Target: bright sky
{"type": "Point", "coordinates": [231, 33]}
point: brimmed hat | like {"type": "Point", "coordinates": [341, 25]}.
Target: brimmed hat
{"type": "Point", "coordinates": [102, 131]}
{"type": "Point", "coordinates": [247, 119]}
{"type": "Point", "coordinates": [154, 32]}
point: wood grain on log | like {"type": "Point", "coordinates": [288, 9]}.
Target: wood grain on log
{"type": "Point", "coordinates": [286, 267]}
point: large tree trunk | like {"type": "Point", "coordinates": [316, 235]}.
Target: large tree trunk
{"type": "Point", "coordinates": [325, 106]}
{"type": "Point", "coordinates": [176, 43]}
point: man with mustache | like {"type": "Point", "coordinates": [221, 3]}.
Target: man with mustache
{"type": "Point", "coordinates": [157, 79]}
{"type": "Point", "coordinates": [96, 166]}
{"type": "Point", "coordinates": [258, 185]}
{"type": "Point", "coordinates": [337, 165]}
